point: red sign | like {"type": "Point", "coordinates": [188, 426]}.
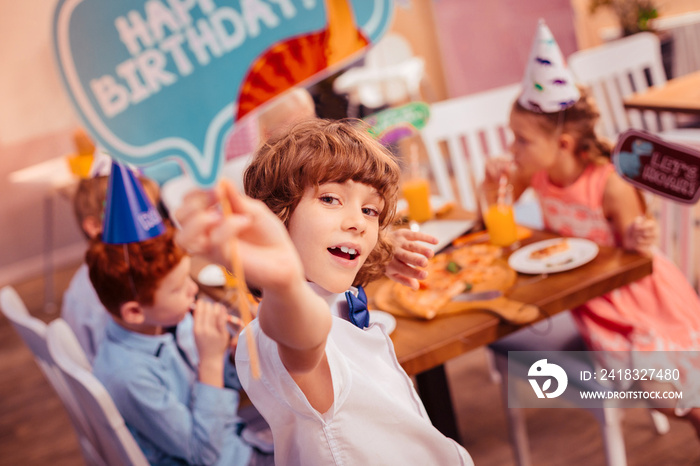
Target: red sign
{"type": "Point", "coordinates": [664, 168]}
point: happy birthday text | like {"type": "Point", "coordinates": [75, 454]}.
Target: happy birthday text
{"type": "Point", "coordinates": [166, 43]}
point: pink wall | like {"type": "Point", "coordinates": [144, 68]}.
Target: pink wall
{"type": "Point", "coordinates": [485, 43]}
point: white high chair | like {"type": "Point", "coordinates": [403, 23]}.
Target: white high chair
{"type": "Point", "coordinates": [391, 74]}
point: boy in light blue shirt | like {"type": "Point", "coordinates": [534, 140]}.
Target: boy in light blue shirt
{"type": "Point", "coordinates": [166, 369]}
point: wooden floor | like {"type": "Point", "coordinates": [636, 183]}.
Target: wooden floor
{"type": "Point", "coordinates": [36, 431]}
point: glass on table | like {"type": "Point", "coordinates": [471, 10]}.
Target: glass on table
{"type": "Point", "coordinates": [416, 191]}
{"type": "Point", "coordinates": [497, 211]}
{"type": "Point", "coordinates": [415, 188]}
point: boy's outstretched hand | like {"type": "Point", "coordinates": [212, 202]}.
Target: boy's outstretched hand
{"type": "Point", "coordinates": [409, 254]}
{"type": "Point", "coordinates": [268, 255]}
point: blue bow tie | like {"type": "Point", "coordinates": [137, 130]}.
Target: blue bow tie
{"type": "Point", "coordinates": [358, 313]}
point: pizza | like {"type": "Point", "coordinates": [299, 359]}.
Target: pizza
{"type": "Point", "coordinates": [475, 268]}
{"type": "Point", "coordinates": [548, 251]}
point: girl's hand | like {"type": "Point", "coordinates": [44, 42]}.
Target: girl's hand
{"type": "Point", "coordinates": [268, 255]}
{"type": "Point", "coordinates": [497, 166]}
{"type": "Point", "coordinates": [212, 340]}
{"type": "Point", "coordinates": [409, 253]}
{"type": "Point", "coordinates": [642, 235]}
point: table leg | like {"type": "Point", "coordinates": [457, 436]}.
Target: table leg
{"type": "Point", "coordinates": [434, 390]}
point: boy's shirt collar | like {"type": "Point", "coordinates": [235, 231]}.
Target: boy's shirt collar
{"type": "Point", "coordinates": [336, 301]}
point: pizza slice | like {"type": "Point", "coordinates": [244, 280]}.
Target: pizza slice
{"type": "Point", "coordinates": [470, 268]}
{"type": "Point", "coordinates": [548, 251]}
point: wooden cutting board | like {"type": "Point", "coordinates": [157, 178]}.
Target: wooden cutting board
{"type": "Point", "coordinates": [510, 311]}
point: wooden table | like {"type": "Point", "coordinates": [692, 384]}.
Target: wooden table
{"type": "Point", "coordinates": [422, 347]}
{"type": "Point", "coordinates": [681, 95]}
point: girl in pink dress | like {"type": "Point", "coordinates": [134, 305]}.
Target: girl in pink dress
{"type": "Point", "coordinates": [581, 195]}
{"type": "Point", "coordinates": [556, 151]}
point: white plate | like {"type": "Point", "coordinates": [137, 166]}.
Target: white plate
{"type": "Point", "coordinates": [384, 318]}
{"type": "Point", "coordinates": [581, 251]}
{"type": "Point", "coordinates": [436, 202]}
{"type": "Point", "coordinates": [211, 275]}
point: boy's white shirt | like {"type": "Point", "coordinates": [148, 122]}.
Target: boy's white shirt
{"type": "Point", "coordinates": [375, 404]}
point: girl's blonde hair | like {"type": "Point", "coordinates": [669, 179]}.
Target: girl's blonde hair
{"type": "Point", "coordinates": [579, 120]}
{"type": "Point", "coordinates": [318, 151]}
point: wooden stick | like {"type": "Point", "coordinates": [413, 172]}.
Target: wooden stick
{"type": "Point", "coordinates": [242, 288]}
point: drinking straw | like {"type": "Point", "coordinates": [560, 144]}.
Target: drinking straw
{"type": "Point", "coordinates": [415, 166]}
{"type": "Point", "coordinates": [650, 204]}
{"type": "Point", "coordinates": [502, 187]}
{"type": "Point", "coordinates": [241, 287]}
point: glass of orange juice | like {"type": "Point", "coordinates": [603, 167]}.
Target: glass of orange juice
{"type": "Point", "coordinates": [497, 211]}
{"type": "Point", "coordinates": [415, 187]}
{"type": "Point", "coordinates": [416, 191]}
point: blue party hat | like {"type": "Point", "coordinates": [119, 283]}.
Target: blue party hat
{"type": "Point", "coordinates": [130, 216]}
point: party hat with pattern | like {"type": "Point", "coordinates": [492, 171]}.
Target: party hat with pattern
{"type": "Point", "coordinates": [130, 216]}
{"type": "Point", "coordinates": [548, 85]}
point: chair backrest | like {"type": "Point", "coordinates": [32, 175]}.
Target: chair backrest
{"type": "Point", "coordinates": [116, 442]}
{"type": "Point", "coordinates": [474, 128]}
{"type": "Point", "coordinates": [33, 332]}
{"type": "Point", "coordinates": [616, 70]}
{"type": "Point", "coordinates": [684, 30]}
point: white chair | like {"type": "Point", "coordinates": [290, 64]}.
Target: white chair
{"type": "Point", "coordinates": [617, 70]}
{"type": "Point", "coordinates": [614, 71]}
{"type": "Point", "coordinates": [33, 333]}
{"type": "Point", "coordinates": [685, 31]}
{"type": "Point", "coordinates": [473, 128]}
{"type": "Point", "coordinates": [548, 340]}
{"type": "Point", "coordinates": [115, 440]}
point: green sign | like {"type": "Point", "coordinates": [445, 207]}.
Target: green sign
{"type": "Point", "coordinates": [393, 124]}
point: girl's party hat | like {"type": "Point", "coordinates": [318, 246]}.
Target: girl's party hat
{"type": "Point", "coordinates": [130, 216]}
{"type": "Point", "coordinates": [548, 85]}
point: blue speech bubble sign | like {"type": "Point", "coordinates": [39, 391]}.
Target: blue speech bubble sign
{"type": "Point", "coordinates": [162, 79]}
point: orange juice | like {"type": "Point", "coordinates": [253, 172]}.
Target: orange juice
{"type": "Point", "coordinates": [417, 194]}
{"type": "Point", "coordinates": [500, 222]}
